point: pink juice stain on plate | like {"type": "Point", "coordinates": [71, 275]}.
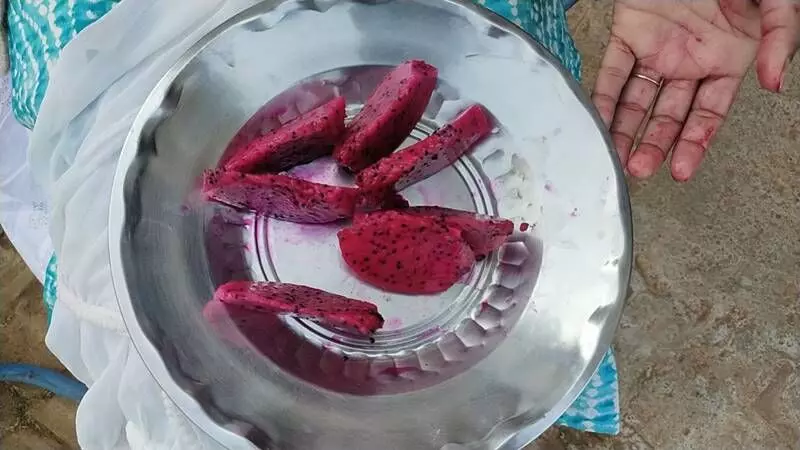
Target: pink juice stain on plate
{"type": "Point", "coordinates": [432, 332]}
{"type": "Point", "coordinates": [393, 323]}
{"type": "Point", "coordinates": [426, 195]}
{"type": "Point", "coordinates": [397, 371]}
{"type": "Point", "coordinates": [305, 233]}
{"type": "Point", "coordinates": [323, 170]}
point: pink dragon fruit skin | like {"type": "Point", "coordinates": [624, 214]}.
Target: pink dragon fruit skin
{"type": "Point", "coordinates": [388, 116]}
{"type": "Point", "coordinates": [301, 301]}
{"type": "Point", "coordinates": [301, 140]}
{"type": "Point", "coordinates": [406, 254]}
{"type": "Point", "coordinates": [430, 155]}
{"type": "Point", "coordinates": [281, 196]}
{"type": "Point", "coordinates": [484, 234]}
{"type": "Point", "coordinates": [291, 199]}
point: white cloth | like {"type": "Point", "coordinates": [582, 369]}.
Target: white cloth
{"type": "Point", "coordinates": [23, 210]}
{"type": "Point", "coordinates": [96, 88]}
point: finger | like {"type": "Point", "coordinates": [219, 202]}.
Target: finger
{"type": "Point", "coordinates": [661, 131]}
{"type": "Point", "coordinates": [780, 38]}
{"type": "Point", "coordinates": [709, 109]}
{"type": "Point", "coordinates": [614, 71]}
{"type": "Point", "coordinates": [635, 102]}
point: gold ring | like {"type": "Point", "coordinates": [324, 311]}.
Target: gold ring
{"type": "Point", "coordinates": [646, 78]}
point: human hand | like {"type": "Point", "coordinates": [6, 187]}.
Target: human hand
{"type": "Point", "coordinates": [688, 57]}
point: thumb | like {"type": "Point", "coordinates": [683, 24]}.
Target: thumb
{"type": "Point", "coordinates": [780, 38]}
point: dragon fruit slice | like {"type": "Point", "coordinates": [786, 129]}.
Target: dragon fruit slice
{"type": "Point", "coordinates": [301, 140]}
{"type": "Point", "coordinates": [292, 199]}
{"type": "Point", "coordinates": [483, 234]}
{"type": "Point", "coordinates": [301, 301]}
{"type": "Point", "coordinates": [388, 116]}
{"type": "Point", "coordinates": [406, 254]}
{"type": "Point", "coordinates": [430, 155]}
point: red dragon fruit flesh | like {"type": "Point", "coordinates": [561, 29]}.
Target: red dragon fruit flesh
{"type": "Point", "coordinates": [291, 199]}
{"type": "Point", "coordinates": [301, 140]}
{"type": "Point", "coordinates": [406, 254]}
{"type": "Point", "coordinates": [302, 301]}
{"type": "Point", "coordinates": [388, 116]}
{"type": "Point", "coordinates": [430, 155]}
{"type": "Point", "coordinates": [483, 233]}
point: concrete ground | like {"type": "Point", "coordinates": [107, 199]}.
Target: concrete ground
{"type": "Point", "coordinates": [709, 347]}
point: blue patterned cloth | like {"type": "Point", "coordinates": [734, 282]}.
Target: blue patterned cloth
{"type": "Point", "coordinates": [49, 294]}
{"type": "Point", "coordinates": [39, 29]}
{"type": "Point", "coordinates": [546, 21]}
{"type": "Point", "coordinates": [597, 408]}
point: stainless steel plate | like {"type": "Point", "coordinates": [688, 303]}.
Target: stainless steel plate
{"type": "Point", "coordinates": [492, 362]}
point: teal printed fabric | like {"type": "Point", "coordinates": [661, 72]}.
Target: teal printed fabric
{"type": "Point", "coordinates": [49, 289]}
{"type": "Point", "coordinates": [37, 31]}
{"type": "Point", "coordinates": [546, 21]}
{"type": "Point", "coordinates": [597, 407]}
